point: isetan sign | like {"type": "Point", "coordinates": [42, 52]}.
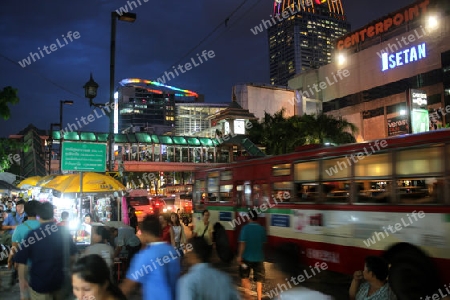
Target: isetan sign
{"type": "Point", "coordinates": [375, 29]}
{"type": "Point", "coordinates": [403, 57]}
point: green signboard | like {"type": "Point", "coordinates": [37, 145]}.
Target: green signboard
{"type": "Point", "coordinates": [83, 157]}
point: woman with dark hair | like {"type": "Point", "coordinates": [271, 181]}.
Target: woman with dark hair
{"type": "Point", "coordinates": [412, 274]}
{"type": "Point", "coordinates": [177, 234]}
{"type": "Point", "coordinates": [91, 279]}
{"type": "Point", "coordinates": [375, 287]}
{"type": "Point", "coordinates": [165, 229]}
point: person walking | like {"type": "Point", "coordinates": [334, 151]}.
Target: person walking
{"type": "Point", "coordinates": [251, 254]}
{"type": "Point", "coordinates": [156, 267]}
{"type": "Point", "coordinates": [177, 235]}
{"type": "Point", "coordinates": [202, 282]}
{"type": "Point", "coordinates": [19, 235]}
{"type": "Point", "coordinates": [204, 229]}
{"type": "Point", "coordinates": [45, 249]}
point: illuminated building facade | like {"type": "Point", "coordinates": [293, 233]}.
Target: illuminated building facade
{"type": "Point", "coordinates": [301, 36]}
{"type": "Point", "coordinates": [393, 77]}
{"type": "Point", "coordinates": [192, 118]}
{"type": "Point", "coordinates": [149, 106]}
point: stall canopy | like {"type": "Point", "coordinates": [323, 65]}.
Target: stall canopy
{"type": "Point", "coordinates": [92, 183]}
{"type": "Point", "coordinates": [8, 177]}
{"type": "Point", "coordinates": [29, 182]}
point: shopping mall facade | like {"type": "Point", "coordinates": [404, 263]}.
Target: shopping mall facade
{"type": "Point", "coordinates": [390, 77]}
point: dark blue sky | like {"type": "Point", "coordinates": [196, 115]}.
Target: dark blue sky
{"type": "Point", "coordinates": [162, 34]}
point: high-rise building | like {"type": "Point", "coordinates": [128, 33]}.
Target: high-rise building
{"type": "Point", "coordinates": [301, 36]}
{"type": "Point", "coordinates": [145, 105]}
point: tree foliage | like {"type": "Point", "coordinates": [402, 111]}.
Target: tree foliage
{"type": "Point", "coordinates": [8, 148]}
{"type": "Point", "coordinates": [7, 96]}
{"type": "Point", "coordinates": [282, 135]}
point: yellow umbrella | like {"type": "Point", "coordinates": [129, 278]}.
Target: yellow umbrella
{"type": "Point", "coordinates": [56, 181]}
{"type": "Point", "coordinates": [30, 181]}
{"type": "Point", "coordinates": [45, 179]}
{"type": "Point", "coordinates": [92, 183]}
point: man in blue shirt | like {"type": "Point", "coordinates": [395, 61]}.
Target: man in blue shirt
{"type": "Point", "coordinates": [157, 267]}
{"type": "Point", "coordinates": [203, 282]}
{"type": "Point", "coordinates": [20, 233]}
{"type": "Point", "coordinates": [251, 253]}
{"type": "Point", "coordinates": [15, 218]}
{"type": "Point", "coordinates": [45, 248]}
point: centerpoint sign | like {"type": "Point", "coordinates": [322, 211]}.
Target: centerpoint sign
{"type": "Point", "coordinates": [404, 57]}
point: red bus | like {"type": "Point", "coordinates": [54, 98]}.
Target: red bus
{"type": "Point", "coordinates": [340, 204]}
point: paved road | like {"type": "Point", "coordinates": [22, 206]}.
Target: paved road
{"type": "Point", "coordinates": [327, 282]}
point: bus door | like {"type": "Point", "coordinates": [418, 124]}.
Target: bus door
{"type": "Point", "coordinates": [243, 201]}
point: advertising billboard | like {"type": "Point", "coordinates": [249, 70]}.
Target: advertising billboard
{"type": "Point", "coordinates": [420, 121]}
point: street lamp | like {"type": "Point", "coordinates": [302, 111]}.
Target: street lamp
{"type": "Point", "coordinates": [61, 103]}
{"type": "Point", "coordinates": [126, 17]}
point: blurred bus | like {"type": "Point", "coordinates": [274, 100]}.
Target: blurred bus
{"type": "Point", "coordinates": [336, 203]}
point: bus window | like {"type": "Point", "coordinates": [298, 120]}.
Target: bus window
{"type": "Point", "coordinates": [226, 192]}
{"type": "Point", "coordinates": [420, 190]}
{"type": "Point", "coordinates": [337, 191]}
{"type": "Point", "coordinates": [282, 191]}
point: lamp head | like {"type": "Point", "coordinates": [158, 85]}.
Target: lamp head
{"type": "Point", "coordinates": [90, 89]}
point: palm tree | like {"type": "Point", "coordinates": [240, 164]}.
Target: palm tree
{"type": "Point", "coordinates": [324, 128]}
{"type": "Point", "coordinates": [282, 135]}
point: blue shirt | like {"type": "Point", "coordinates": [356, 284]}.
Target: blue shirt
{"type": "Point", "coordinates": [12, 220]}
{"type": "Point", "coordinates": [157, 268]}
{"type": "Point", "coordinates": [45, 247]}
{"type": "Point", "coordinates": [21, 231]}
{"type": "Point", "coordinates": [254, 236]}
{"type": "Point", "coordinates": [203, 282]}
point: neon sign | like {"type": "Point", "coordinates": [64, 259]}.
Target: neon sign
{"type": "Point", "coordinates": [404, 57]}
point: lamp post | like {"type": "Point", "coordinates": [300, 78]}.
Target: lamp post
{"type": "Point", "coordinates": [61, 103]}
{"type": "Point", "coordinates": [126, 17]}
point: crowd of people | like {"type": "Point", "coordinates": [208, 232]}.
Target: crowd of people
{"type": "Point", "coordinates": [50, 266]}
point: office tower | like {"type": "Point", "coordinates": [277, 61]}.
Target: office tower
{"type": "Point", "coordinates": [302, 35]}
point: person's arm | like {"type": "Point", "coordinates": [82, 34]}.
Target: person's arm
{"type": "Point", "coordinates": [12, 253]}
{"type": "Point", "coordinates": [241, 251]}
{"type": "Point", "coordinates": [7, 223]}
{"type": "Point", "coordinates": [183, 236]}
{"type": "Point", "coordinates": [127, 286]}
{"type": "Point", "coordinates": [172, 236]}
{"type": "Point", "coordinates": [356, 282]}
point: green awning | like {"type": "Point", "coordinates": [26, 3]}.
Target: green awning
{"type": "Point", "coordinates": [88, 136]}
{"type": "Point", "coordinates": [165, 139]}
{"type": "Point", "coordinates": [71, 136]}
{"type": "Point", "coordinates": [132, 138]}
{"type": "Point", "coordinates": [192, 141]}
{"type": "Point", "coordinates": [155, 139]}
{"type": "Point", "coordinates": [206, 142]}
{"type": "Point", "coordinates": [102, 137]}
{"type": "Point", "coordinates": [179, 140]}
{"type": "Point", "coordinates": [216, 142]}
{"type": "Point", "coordinates": [56, 135]}
{"type": "Point", "coordinates": [143, 138]}
{"type": "Point", "coordinates": [120, 138]}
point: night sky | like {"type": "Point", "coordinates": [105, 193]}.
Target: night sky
{"type": "Point", "coordinates": [163, 33]}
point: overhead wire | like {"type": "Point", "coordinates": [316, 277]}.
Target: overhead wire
{"type": "Point", "coordinates": [42, 76]}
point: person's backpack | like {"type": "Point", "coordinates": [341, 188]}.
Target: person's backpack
{"type": "Point", "coordinates": [222, 244]}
